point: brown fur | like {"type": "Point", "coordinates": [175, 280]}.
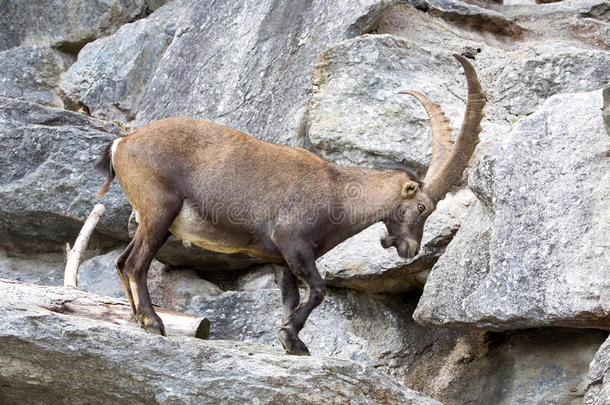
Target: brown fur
{"type": "Point", "coordinates": [226, 191]}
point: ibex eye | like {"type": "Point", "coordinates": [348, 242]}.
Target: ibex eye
{"type": "Point", "coordinates": [421, 207]}
{"type": "Point", "coordinates": [411, 187]}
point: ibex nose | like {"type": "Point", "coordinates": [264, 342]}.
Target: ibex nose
{"type": "Point", "coordinates": [407, 249]}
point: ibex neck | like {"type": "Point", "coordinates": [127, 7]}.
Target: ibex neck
{"type": "Point", "coordinates": [369, 195]}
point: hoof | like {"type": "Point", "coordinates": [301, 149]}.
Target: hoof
{"type": "Point", "coordinates": [152, 325]}
{"type": "Point", "coordinates": [292, 344]}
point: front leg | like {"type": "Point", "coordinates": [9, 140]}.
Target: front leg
{"type": "Point", "coordinates": [302, 263]}
{"type": "Point", "coordinates": [289, 295]}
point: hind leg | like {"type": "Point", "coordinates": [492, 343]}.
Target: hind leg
{"type": "Point", "coordinates": [152, 232]}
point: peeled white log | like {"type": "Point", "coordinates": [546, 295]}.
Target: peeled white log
{"type": "Point", "coordinates": [72, 301]}
{"type": "Point", "coordinates": [74, 255]}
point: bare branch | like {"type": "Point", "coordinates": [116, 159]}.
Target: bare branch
{"type": "Point", "coordinates": [75, 254]}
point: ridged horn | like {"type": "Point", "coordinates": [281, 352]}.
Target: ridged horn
{"type": "Point", "coordinates": [442, 178]}
{"type": "Point", "coordinates": [440, 129]}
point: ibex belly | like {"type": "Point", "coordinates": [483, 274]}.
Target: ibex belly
{"type": "Point", "coordinates": [190, 226]}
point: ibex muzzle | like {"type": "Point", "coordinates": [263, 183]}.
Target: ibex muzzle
{"type": "Point", "coordinates": [226, 191]}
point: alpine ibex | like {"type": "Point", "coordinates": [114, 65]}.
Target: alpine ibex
{"type": "Point", "coordinates": [228, 192]}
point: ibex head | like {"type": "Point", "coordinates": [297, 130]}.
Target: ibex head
{"type": "Point", "coordinates": [449, 159]}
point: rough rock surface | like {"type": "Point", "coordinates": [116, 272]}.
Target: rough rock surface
{"type": "Point", "coordinates": [168, 287]}
{"type": "Point", "coordinates": [357, 115]}
{"type": "Point", "coordinates": [65, 24]}
{"type": "Point", "coordinates": [112, 73]}
{"type": "Point", "coordinates": [98, 275]}
{"type": "Point", "coordinates": [74, 354]}
{"type": "Point", "coordinates": [567, 21]}
{"type": "Point", "coordinates": [248, 63]}
{"type": "Point", "coordinates": [534, 366]}
{"type": "Point", "coordinates": [40, 268]}
{"type": "Point", "coordinates": [47, 181]}
{"type": "Point", "coordinates": [597, 383]}
{"type": "Point", "coordinates": [424, 30]}
{"type": "Point", "coordinates": [525, 83]}
{"type": "Point", "coordinates": [31, 73]}
{"type": "Point", "coordinates": [533, 252]}
{"type": "Point", "coordinates": [361, 262]}
{"type": "Point", "coordinates": [606, 108]}
{"type": "Point", "coordinates": [472, 17]}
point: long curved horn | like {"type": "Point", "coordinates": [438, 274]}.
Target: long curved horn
{"type": "Point", "coordinates": [440, 129]}
{"type": "Point", "coordinates": [439, 182]}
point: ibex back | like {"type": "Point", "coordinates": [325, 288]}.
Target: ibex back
{"type": "Point", "coordinates": [228, 192]}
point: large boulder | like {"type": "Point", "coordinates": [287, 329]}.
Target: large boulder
{"type": "Point", "coordinates": [472, 17]}
{"type": "Point", "coordinates": [535, 366]}
{"type": "Point", "coordinates": [112, 73]}
{"type": "Point", "coordinates": [525, 83]}
{"type": "Point", "coordinates": [357, 115]}
{"type": "Point", "coordinates": [425, 30]}
{"type": "Point", "coordinates": [65, 24]}
{"type": "Point", "coordinates": [40, 267]}
{"type": "Point", "coordinates": [248, 63]}
{"type": "Point", "coordinates": [47, 181]}
{"type": "Point", "coordinates": [581, 23]}
{"type": "Point", "coordinates": [451, 366]}
{"type": "Point", "coordinates": [533, 251]}
{"type": "Point", "coordinates": [31, 73]}
{"type": "Point", "coordinates": [45, 355]}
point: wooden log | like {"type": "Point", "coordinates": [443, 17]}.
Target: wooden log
{"type": "Point", "coordinates": [74, 255]}
{"type": "Point", "coordinates": [72, 301]}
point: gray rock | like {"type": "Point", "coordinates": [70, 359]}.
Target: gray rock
{"type": "Point", "coordinates": [357, 116]}
{"type": "Point", "coordinates": [47, 181]}
{"type": "Point", "coordinates": [376, 330]}
{"type": "Point", "coordinates": [419, 27]}
{"type": "Point", "coordinates": [112, 73]}
{"type": "Point", "coordinates": [32, 74]}
{"type": "Point", "coordinates": [525, 83]}
{"type": "Point", "coordinates": [168, 287]}
{"type": "Point", "coordinates": [597, 384]}
{"type": "Point", "coordinates": [533, 252]}
{"type": "Point", "coordinates": [536, 366]}
{"type": "Point", "coordinates": [474, 18]}
{"type": "Point", "coordinates": [98, 275]}
{"type": "Point", "coordinates": [247, 64]}
{"type": "Point", "coordinates": [361, 262]}
{"type": "Point", "coordinates": [177, 288]}
{"type": "Point", "coordinates": [606, 108]}
{"type": "Point", "coordinates": [450, 366]}
{"type": "Point", "coordinates": [593, 31]}
{"type": "Point", "coordinates": [39, 268]}
{"type": "Point", "coordinates": [76, 354]}
{"type": "Point", "coordinates": [62, 24]}
{"type": "Point", "coordinates": [257, 278]}
{"type": "Point", "coordinates": [556, 21]}
{"type": "Point", "coordinates": [155, 4]}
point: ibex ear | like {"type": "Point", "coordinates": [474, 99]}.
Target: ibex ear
{"type": "Point", "coordinates": [409, 189]}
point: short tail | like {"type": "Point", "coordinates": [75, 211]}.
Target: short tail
{"type": "Point", "coordinates": [104, 165]}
